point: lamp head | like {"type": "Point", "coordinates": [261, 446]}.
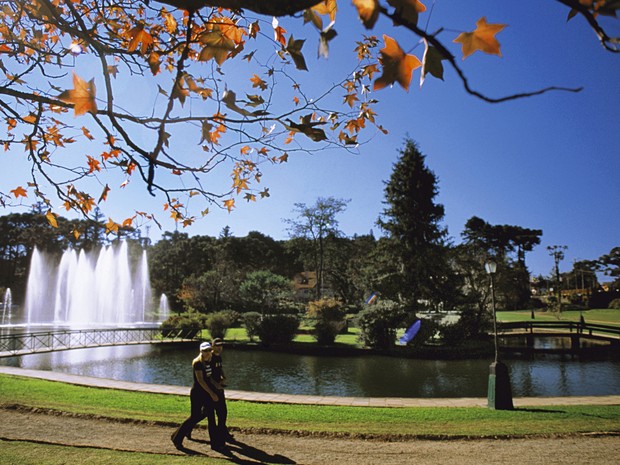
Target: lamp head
{"type": "Point", "coordinates": [491, 267]}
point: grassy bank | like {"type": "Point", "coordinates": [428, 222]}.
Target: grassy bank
{"type": "Point", "coordinates": [599, 316]}
{"type": "Point", "coordinates": [420, 422]}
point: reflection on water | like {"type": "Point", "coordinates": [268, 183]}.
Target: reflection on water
{"type": "Point", "coordinates": [372, 376]}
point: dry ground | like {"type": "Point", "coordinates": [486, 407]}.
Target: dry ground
{"type": "Point", "coordinates": [43, 426]}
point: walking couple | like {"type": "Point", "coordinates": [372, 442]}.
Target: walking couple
{"type": "Point", "coordinates": [207, 398]}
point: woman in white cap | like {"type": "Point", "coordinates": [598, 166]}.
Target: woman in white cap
{"type": "Point", "coordinates": [203, 397]}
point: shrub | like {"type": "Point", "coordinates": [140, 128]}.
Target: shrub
{"type": "Point", "coordinates": [428, 329]}
{"type": "Point", "coordinates": [186, 325]}
{"type": "Point", "coordinates": [614, 304]}
{"type": "Point", "coordinates": [472, 324]}
{"type": "Point", "coordinates": [378, 324]}
{"type": "Point", "coordinates": [329, 316]}
{"type": "Point", "coordinates": [277, 329]}
{"type": "Point", "coordinates": [218, 323]}
{"type": "Point", "coordinates": [251, 321]}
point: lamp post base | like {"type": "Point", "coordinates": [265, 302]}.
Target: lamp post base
{"type": "Point", "coordinates": [499, 396]}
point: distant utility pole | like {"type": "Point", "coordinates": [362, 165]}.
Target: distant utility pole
{"type": "Point", "coordinates": [557, 252]}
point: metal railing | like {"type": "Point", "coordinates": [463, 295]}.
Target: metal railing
{"type": "Point", "coordinates": [55, 340]}
{"type": "Point", "coordinates": [593, 330]}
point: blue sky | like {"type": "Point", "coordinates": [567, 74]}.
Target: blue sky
{"type": "Point", "coordinates": [549, 162]}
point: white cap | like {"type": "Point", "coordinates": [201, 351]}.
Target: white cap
{"type": "Point", "coordinates": [205, 346]}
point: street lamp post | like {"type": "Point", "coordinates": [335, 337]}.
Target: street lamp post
{"type": "Point", "coordinates": [499, 394]}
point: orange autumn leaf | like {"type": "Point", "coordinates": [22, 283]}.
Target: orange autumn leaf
{"type": "Point", "coordinates": [278, 32]}
{"type": "Point", "coordinates": [76, 234]}
{"type": "Point", "coordinates": [87, 133]}
{"type": "Point", "coordinates": [51, 219]}
{"type": "Point", "coordinates": [19, 192]}
{"type": "Point", "coordinates": [104, 194]}
{"type": "Point", "coordinates": [398, 66]}
{"type": "Point", "coordinates": [93, 164]}
{"type": "Point", "coordinates": [368, 11]}
{"type": "Point", "coordinates": [482, 38]}
{"type": "Point", "coordinates": [229, 204]}
{"type": "Point", "coordinates": [258, 82]}
{"type": "Point", "coordinates": [82, 96]}
{"type": "Point", "coordinates": [139, 36]}
{"type": "Point", "coordinates": [111, 226]}
{"type": "Point", "coordinates": [327, 7]}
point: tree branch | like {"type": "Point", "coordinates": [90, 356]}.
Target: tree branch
{"type": "Point", "coordinates": [268, 7]}
{"type": "Point", "coordinates": [452, 60]}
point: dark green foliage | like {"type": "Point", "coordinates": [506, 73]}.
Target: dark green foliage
{"type": "Point", "coordinates": [265, 292]}
{"type": "Point", "coordinates": [218, 323]}
{"type": "Point", "coordinates": [472, 324]}
{"type": "Point", "coordinates": [277, 329]}
{"type": "Point", "coordinates": [418, 266]}
{"type": "Point", "coordinates": [428, 329]}
{"type": "Point", "coordinates": [615, 304]}
{"type": "Point", "coordinates": [329, 317]}
{"type": "Point", "coordinates": [378, 324]}
{"type": "Point", "coordinates": [186, 325]}
{"type": "Point", "coordinates": [251, 321]}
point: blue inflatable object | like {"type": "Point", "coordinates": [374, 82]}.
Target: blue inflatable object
{"type": "Point", "coordinates": [410, 333]}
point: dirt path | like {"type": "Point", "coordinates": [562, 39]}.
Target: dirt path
{"type": "Point", "coordinates": [20, 424]}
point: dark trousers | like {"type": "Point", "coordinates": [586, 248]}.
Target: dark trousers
{"type": "Point", "coordinates": [222, 413]}
{"type": "Point", "coordinates": [202, 406]}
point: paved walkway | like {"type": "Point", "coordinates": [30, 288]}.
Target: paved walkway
{"type": "Point", "coordinates": [314, 400]}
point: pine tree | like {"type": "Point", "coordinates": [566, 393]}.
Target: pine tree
{"type": "Point", "coordinates": [416, 238]}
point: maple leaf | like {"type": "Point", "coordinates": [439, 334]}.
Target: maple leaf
{"type": "Point", "coordinates": [408, 9]}
{"type": "Point", "coordinates": [327, 34]}
{"type": "Point", "coordinates": [217, 46]}
{"type": "Point", "coordinates": [327, 7]}
{"type": "Point", "coordinates": [93, 164]}
{"type": "Point", "coordinates": [482, 38]}
{"type": "Point", "coordinates": [397, 65]}
{"type": "Point", "coordinates": [111, 226]}
{"type": "Point", "coordinates": [250, 197]}
{"type": "Point", "coordinates": [229, 204]}
{"type": "Point", "coordinates": [278, 32]}
{"type": "Point", "coordinates": [154, 63]}
{"type": "Point", "coordinates": [76, 234]}
{"type": "Point", "coordinates": [87, 133]}
{"type": "Point", "coordinates": [350, 99]}
{"type": "Point", "coordinates": [19, 192]}
{"type": "Point", "coordinates": [431, 63]}
{"type": "Point", "coordinates": [51, 219]}
{"type": "Point", "coordinates": [104, 194]}
{"type": "Point", "coordinates": [368, 12]}
{"type": "Point", "coordinates": [139, 36]}
{"type": "Point", "coordinates": [294, 49]}
{"type": "Point", "coordinates": [82, 96]}
{"type": "Point", "coordinates": [258, 82]}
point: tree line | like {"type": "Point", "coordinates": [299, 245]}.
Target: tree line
{"type": "Point", "coordinates": [414, 263]}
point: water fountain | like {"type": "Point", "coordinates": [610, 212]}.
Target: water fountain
{"type": "Point", "coordinates": [164, 307]}
{"type": "Point", "coordinates": [6, 306]}
{"type": "Point", "coordinates": [88, 289]}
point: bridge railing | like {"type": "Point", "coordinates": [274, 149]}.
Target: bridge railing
{"type": "Point", "coordinates": [54, 340]}
{"type": "Point", "coordinates": [569, 326]}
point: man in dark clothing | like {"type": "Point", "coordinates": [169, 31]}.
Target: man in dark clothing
{"type": "Point", "coordinates": [219, 381]}
{"type": "Point", "coordinates": [203, 397]}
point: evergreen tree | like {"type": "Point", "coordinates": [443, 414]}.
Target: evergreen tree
{"type": "Point", "coordinates": [416, 239]}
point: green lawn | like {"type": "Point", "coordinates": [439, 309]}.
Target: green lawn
{"type": "Point", "coordinates": [599, 316]}
{"type": "Point", "coordinates": [438, 422]}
